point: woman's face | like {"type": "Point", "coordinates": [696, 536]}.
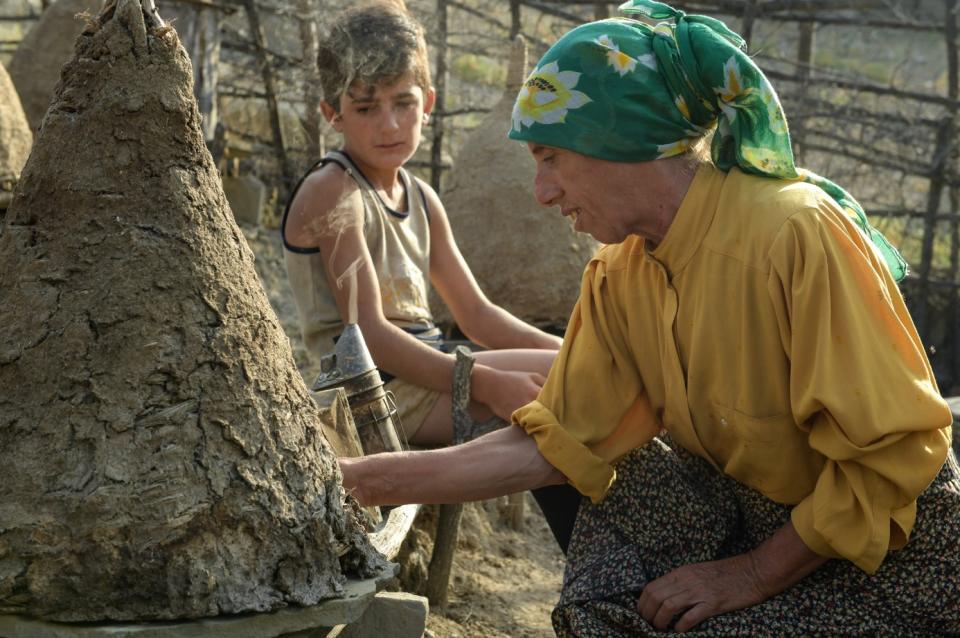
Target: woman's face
{"type": "Point", "coordinates": [583, 188]}
{"type": "Point", "coordinates": [608, 200]}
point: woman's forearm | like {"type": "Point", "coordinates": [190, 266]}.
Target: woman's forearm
{"type": "Point", "coordinates": [502, 462]}
{"type": "Point", "coordinates": [783, 560]}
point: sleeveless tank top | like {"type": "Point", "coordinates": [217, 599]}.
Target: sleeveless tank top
{"type": "Point", "coordinates": [399, 245]}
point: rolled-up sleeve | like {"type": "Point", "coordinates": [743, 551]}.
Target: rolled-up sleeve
{"type": "Point", "coordinates": [860, 385]}
{"type": "Point", "coordinates": [592, 408]}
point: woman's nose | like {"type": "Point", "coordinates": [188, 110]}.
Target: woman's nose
{"type": "Point", "coordinates": [546, 192]}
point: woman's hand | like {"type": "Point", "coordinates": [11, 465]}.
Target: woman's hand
{"type": "Point", "coordinates": [503, 391]}
{"type": "Point", "coordinates": [351, 470]}
{"type": "Point", "coordinates": [693, 593]}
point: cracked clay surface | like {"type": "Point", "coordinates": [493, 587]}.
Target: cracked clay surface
{"type": "Point", "coordinates": [162, 457]}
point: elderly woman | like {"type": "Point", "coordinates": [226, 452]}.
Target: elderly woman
{"type": "Point", "coordinates": [741, 392]}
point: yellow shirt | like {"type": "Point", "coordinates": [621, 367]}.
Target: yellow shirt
{"type": "Point", "coordinates": [764, 334]}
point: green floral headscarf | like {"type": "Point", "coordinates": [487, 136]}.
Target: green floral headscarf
{"type": "Point", "coordinates": [624, 91]}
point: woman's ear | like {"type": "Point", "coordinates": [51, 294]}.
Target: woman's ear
{"type": "Point", "coordinates": [330, 114]}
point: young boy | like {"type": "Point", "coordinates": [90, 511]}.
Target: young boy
{"type": "Point", "coordinates": [358, 210]}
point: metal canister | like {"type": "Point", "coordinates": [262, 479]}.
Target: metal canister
{"type": "Point", "coordinates": [374, 410]}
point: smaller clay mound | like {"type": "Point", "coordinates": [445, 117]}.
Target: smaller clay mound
{"type": "Point", "coordinates": [15, 137]}
{"type": "Point", "coordinates": [35, 67]}
{"type": "Point", "coordinates": [532, 262]}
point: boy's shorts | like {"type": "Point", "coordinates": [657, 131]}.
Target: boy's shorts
{"type": "Point", "coordinates": [413, 405]}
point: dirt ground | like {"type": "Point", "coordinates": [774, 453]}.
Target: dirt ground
{"type": "Point", "coordinates": [504, 583]}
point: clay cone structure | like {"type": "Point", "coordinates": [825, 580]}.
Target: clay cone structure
{"type": "Point", "coordinates": [532, 262]}
{"type": "Point", "coordinates": [15, 138]}
{"type": "Point", "coordinates": [162, 457]}
{"type": "Point", "coordinates": [48, 45]}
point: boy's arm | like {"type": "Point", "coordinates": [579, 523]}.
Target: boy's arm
{"type": "Point", "coordinates": [482, 321]}
{"type": "Point", "coordinates": [328, 213]}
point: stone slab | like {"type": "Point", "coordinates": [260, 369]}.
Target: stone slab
{"type": "Point", "coordinates": [393, 614]}
{"type": "Point", "coordinates": [247, 196]}
{"type": "Point", "coordinates": [358, 595]}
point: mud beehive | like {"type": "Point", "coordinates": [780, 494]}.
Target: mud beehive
{"type": "Point", "coordinates": [15, 138]}
{"type": "Point", "coordinates": [532, 263]}
{"type": "Point", "coordinates": [35, 65]}
{"type": "Point", "coordinates": [162, 457]}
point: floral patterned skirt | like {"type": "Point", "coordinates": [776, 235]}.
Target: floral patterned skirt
{"type": "Point", "coordinates": [669, 508]}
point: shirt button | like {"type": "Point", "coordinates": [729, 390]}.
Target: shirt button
{"type": "Point", "coordinates": [723, 422]}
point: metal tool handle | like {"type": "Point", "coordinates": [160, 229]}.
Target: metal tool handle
{"type": "Point", "coordinates": [462, 422]}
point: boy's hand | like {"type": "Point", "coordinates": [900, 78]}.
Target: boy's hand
{"type": "Point", "coordinates": [503, 391]}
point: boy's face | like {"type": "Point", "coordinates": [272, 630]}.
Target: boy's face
{"type": "Point", "coordinates": [381, 123]}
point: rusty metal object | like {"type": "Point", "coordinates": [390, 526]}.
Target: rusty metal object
{"type": "Point", "coordinates": [350, 366]}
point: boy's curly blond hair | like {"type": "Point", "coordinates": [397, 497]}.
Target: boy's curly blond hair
{"type": "Point", "coordinates": [371, 43]}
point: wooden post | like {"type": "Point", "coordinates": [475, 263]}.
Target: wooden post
{"type": "Point", "coordinates": [311, 77]}
{"type": "Point", "coordinates": [515, 509]}
{"type": "Point", "coordinates": [440, 82]}
{"type": "Point", "coordinates": [953, 91]}
{"type": "Point", "coordinates": [939, 173]}
{"type": "Point", "coordinates": [198, 28]}
{"type": "Point", "coordinates": [266, 73]}
{"type": "Point", "coordinates": [805, 54]}
{"type": "Point", "coordinates": [750, 12]}
{"type": "Point", "coordinates": [935, 195]}
{"type": "Point", "coordinates": [806, 48]}
{"type": "Point", "coordinates": [448, 519]}
{"type": "Point", "coordinates": [206, 76]}
{"type": "Point", "coordinates": [953, 307]}
{"type": "Point", "coordinates": [515, 25]}
{"type": "Point", "coordinates": [444, 548]}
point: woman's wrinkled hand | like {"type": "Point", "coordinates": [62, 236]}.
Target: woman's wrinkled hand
{"type": "Point", "coordinates": [693, 593]}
